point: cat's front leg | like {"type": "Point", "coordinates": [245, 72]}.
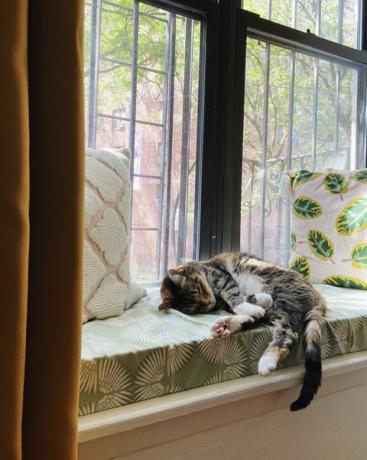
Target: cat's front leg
{"type": "Point", "coordinates": [262, 299]}
{"type": "Point", "coordinates": [229, 324]}
{"type": "Point", "coordinates": [249, 309]}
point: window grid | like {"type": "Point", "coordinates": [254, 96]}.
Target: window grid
{"type": "Point", "coordinates": [218, 206]}
{"type": "Point", "coordinates": [164, 179]}
{"type": "Point", "coordinates": [314, 14]}
{"type": "Point", "coordinates": [255, 27]}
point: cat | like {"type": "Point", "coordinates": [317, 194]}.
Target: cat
{"type": "Point", "coordinates": [254, 291]}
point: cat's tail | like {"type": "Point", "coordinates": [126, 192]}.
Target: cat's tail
{"type": "Point", "coordinates": [313, 374]}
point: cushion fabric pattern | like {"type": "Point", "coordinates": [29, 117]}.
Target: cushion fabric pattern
{"type": "Point", "coordinates": [146, 353]}
{"type": "Point", "coordinates": [107, 289]}
{"type": "Point", "coordinates": [329, 227]}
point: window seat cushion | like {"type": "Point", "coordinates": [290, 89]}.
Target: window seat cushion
{"type": "Point", "coordinates": [147, 353]}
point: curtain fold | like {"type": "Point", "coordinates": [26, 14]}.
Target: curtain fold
{"type": "Point", "coordinates": [41, 209]}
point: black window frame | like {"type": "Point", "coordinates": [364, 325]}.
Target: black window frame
{"type": "Point", "coordinates": [225, 29]}
{"type": "Point", "coordinates": [249, 24]}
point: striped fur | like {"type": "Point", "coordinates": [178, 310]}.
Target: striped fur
{"type": "Point", "coordinates": [255, 291]}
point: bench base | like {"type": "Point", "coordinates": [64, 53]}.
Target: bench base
{"type": "Point", "coordinates": [246, 418]}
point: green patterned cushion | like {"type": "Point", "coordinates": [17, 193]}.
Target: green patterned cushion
{"type": "Point", "coordinates": [329, 227]}
{"type": "Point", "coordinates": [145, 353]}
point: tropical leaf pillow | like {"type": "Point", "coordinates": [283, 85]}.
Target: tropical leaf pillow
{"type": "Point", "coordinates": [329, 227]}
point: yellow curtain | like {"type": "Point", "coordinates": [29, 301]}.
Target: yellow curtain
{"type": "Point", "coordinates": [41, 195]}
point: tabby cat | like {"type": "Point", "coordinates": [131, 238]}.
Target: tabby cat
{"type": "Point", "coordinates": [254, 291]}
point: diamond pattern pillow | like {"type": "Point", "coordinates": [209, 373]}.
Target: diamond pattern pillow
{"type": "Point", "coordinates": [329, 227]}
{"type": "Point", "coordinates": [107, 289]}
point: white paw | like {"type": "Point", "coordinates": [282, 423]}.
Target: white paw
{"type": "Point", "coordinates": [226, 326]}
{"type": "Point", "coordinates": [267, 364]}
{"type": "Point", "coordinates": [265, 300]}
{"type": "Point", "coordinates": [246, 308]}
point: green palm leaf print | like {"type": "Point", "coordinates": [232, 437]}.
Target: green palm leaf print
{"type": "Point", "coordinates": [359, 256]}
{"type": "Point", "coordinates": [305, 207]}
{"type": "Point", "coordinates": [353, 218]}
{"type": "Point", "coordinates": [321, 246]}
{"type": "Point", "coordinates": [303, 176]}
{"type": "Point", "coordinates": [301, 265]}
{"type": "Point", "coordinates": [345, 281]}
{"type": "Point", "coordinates": [335, 183]}
{"type": "Point", "coordinates": [360, 176]}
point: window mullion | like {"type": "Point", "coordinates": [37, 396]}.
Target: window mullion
{"type": "Point", "coordinates": [315, 98]}
{"type": "Point", "coordinates": [94, 73]}
{"type": "Point", "coordinates": [163, 151]}
{"type": "Point", "coordinates": [265, 147]}
{"type": "Point", "coordinates": [185, 139]}
{"type": "Point", "coordinates": [134, 86]}
{"type": "Point", "coordinates": [169, 110]}
{"type": "Point", "coordinates": [290, 146]}
{"type": "Point", "coordinates": [231, 50]}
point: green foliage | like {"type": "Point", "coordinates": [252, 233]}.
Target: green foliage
{"type": "Point", "coordinates": [305, 207]}
{"type": "Point", "coordinates": [115, 56]}
{"type": "Point", "coordinates": [321, 246]}
{"type": "Point", "coordinates": [345, 281]}
{"type": "Point", "coordinates": [353, 218]}
{"type": "Point", "coordinates": [293, 241]}
{"type": "Point", "coordinates": [359, 256]}
{"type": "Point", "coordinates": [360, 176]}
{"type": "Point", "coordinates": [301, 265]}
{"type": "Point", "coordinates": [335, 183]}
{"type": "Point", "coordinates": [303, 176]}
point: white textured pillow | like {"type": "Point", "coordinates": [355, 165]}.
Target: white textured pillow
{"type": "Point", "coordinates": [107, 290]}
{"type": "Point", "coordinates": [329, 227]}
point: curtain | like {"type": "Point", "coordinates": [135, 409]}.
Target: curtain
{"type": "Point", "coordinates": [41, 195]}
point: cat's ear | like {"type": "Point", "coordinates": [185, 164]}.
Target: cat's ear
{"type": "Point", "coordinates": [175, 275]}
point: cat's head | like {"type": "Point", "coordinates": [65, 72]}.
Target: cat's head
{"type": "Point", "coordinates": [186, 289]}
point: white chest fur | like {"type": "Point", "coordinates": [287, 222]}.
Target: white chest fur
{"type": "Point", "coordinates": [249, 283]}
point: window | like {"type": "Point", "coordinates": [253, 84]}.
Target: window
{"type": "Point", "coordinates": [117, 121]}
{"type": "Point", "coordinates": [215, 103]}
{"type": "Point", "coordinates": [148, 60]}
{"type": "Point", "coordinates": [303, 109]}
{"type": "Point", "coordinates": [336, 20]}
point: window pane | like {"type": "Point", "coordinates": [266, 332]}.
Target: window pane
{"type": "Point", "coordinates": [335, 20]}
{"type": "Point", "coordinates": [300, 112]}
{"type": "Point", "coordinates": [142, 68]}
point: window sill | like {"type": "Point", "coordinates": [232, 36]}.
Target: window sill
{"type": "Point", "coordinates": [157, 410]}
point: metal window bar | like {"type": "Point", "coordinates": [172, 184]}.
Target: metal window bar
{"type": "Point", "coordinates": [137, 122]}
{"type": "Point", "coordinates": [117, 5]}
{"type": "Point", "coordinates": [162, 153]}
{"type": "Point", "coordinates": [315, 99]}
{"type": "Point", "coordinates": [168, 137]}
{"type": "Point", "coordinates": [199, 142]}
{"type": "Point", "coordinates": [134, 86]}
{"type": "Point", "coordinates": [128, 64]}
{"type": "Point", "coordinates": [185, 147]}
{"type": "Point", "coordinates": [292, 74]}
{"type": "Point", "coordinates": [337, 85]}
{"type": "Point", "coordinates": [94, 73]}
{"type": "Point", "coordinates": [265, 138]}
{"type": "Point", "coordinates": [265, 147]}
{"type": "Point", "coordinates": [123, 9]}
{"type": "Point", "coordinates": [315, 93]}
{"type": "Point", "coordinates": [165, 219]}
{"type": "Point", "coordinates": [269, 5]}
{"type": "Point", "coordinates": [338, 149]}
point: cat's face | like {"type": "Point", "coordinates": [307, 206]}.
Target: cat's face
{"type": "Point", "coordinates": [186, 289]}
